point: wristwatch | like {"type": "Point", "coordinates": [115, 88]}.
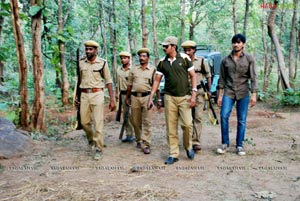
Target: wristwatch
{"type": "Point", "coordinates": [195, 89]}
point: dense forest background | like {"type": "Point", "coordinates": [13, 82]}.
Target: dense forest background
{"type": "Point", "coordinates": [41, 40]}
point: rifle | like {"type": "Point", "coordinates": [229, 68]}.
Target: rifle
{"type": "Point", "coordinates": [215, 120]}
{"type": "Point", "coordinates": [78, 125]}
{"type": "Point", "coordinates": [118, 116]}
{"type": "Point", "coordinates": [126, 116]}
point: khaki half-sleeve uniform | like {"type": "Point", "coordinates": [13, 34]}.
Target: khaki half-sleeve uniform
{"type": "Point", "coordinates": [141, 82]}
{"type": "Point", "coordinates": [202, 70]}
{"type": "Point", "coordinates": [122, 82]}
{"type": "Point", "coordinates": [92, 98]}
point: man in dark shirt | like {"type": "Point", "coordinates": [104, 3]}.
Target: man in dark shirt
{"type": "Point", "coordinates": [178, 101]}
{"type": "Point", "coordinates": [237, 69]}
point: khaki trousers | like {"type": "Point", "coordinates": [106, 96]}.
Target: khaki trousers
{"type": "Point", "coordinates": [197, 131]}
{"type": "Point", "coordinates": [178, 108]}
{"type": "Point", "coordinates": [129, 126]}
{"type": "Point", "coordinates": [92, 117]}
{"type": "Point", "coordinates": [141, 117]}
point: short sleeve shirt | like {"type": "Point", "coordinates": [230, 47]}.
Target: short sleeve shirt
{"type": "Point", "coordinates": [176, 74]}
{"type": "Point", "coordinates": [122, 78]}
{"type": "Point", "coordinates": [90, 73]}
{"type": "Point", "coordinates": [141, 79]}
{"type": "Point", "coordinates": [201, 68]}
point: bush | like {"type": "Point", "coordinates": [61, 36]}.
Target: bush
{"type": "Point", "coordinates": [290, 97]}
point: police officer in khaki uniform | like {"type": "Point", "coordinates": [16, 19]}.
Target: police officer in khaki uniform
{"type": "Point", "coordinates": [121, 89]}
{"type": "Point", "coordinates": [139, 86]}
{"type": "Point", "coordinates": [203, 72]}
{"type": "Point", "coordinates": [94, 73]}
{"type": "Point", "coordinates": [179, 99]}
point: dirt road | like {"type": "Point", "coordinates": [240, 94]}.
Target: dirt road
{"type": "Point", "coordinates": [61, 168]}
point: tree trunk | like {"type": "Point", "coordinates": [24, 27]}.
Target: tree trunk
{"type": "Point", "coordinates": [280, 59]}
{"type": "Point", "coordinates": [265, 48]}
{"type": "Point", "coordinates": [130, 38]}
{"type": "Point", "coordinates": [246, 17]}
{"type": "Point", "coordinates": [61, 47]}
{"type": "Point", "coordinates": [103, 28]}
{"type": "Point", "coordinates": [113, 38]}
{"type": "Point", "coordinates": [182, 21]}
{"type": "Point", "coordinates": [155, 51]}
{"type": "Point", "coordinates": [38, 112]}
{"type": "Point", "coordinates": [143, 23]}
{"type": "Point", "coordinates": [234, 17]}
{"type": "Point", "coordinates": [292, 42]}
{"type": "Point", "coordinates": [1, 62]}
{"type": "Point", "coordinates": [298, 50]}
{"type": "Point", "coordinates": [22, 64]}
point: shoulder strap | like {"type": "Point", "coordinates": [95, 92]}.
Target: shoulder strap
{"type": "Point", "coordinates": [101, 71]}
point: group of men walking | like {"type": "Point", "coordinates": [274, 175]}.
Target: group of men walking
{"type": "Point", "coordinates": [183, 96]}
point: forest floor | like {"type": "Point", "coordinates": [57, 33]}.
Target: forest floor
{"type": "Point", "coordinates": [61, 168]}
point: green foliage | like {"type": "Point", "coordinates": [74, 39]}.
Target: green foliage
{"type": "Point", "coordinates": [34, 10]}
{"type": "Point", "coordinates": [290, 97]}
{"type": "Point", "coordinates": [249, 141]}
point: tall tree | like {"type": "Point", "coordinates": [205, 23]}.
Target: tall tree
{"type": "Point", "coordinates": [1, 29]}
{"type": "Point", "coordinates": [234, 18]}
{"type": "Point", "coordinates": [143, 24]}
{"type": "Point", "coordinates": [267, 70]}
{"type": "Point", "coordinates": [61, 47]}
{"type": "Point", "coordinates": [103, 28]}
{"type": "Point", "coordinates": [38, 122]}
{"type": "Point", "coordinates": [22, 64]}
{"type": "Point", "coordinates": [182, 21]}
{"type": "Point", "coordinates": [247, 12]}
{"type": "Point", "coordinates": [293, 40]}
{"type": "Point", "coordinates": [154, 32]}
{"type": "Point", "coordinates": [194, 16]}
{"type": "Point", "coordinates": [280, 59]}
{"type": "Point", "coordinates": [130, 29]}
{"type": "Point", "coordinates": [113, 36]}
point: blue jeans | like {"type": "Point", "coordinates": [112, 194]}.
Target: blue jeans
{"type": "Point", "coordinates": [241, 110]}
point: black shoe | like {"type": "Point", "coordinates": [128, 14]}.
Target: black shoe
{"type": "Point", "coordinates": [171, 160]}
{"type": "Point", "coordinates": [139, 145]}
{"type": "Point", "coordinates": [147, 150]}
{"type": "Point", "coordinates": [190, 154]}
{"type": "Point", "coordinates": [128, 139]}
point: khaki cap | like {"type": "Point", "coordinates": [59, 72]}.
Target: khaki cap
{"type": "Point", "coordinates": [188, 43]}
{"type": "Point", "coordinates": [125, 54]}
{"type": "Point", "coordinates": [143, 50]}
{"type": "Point", "coordinates": [91, 43]}
{"type": "Point", "coordinates": [170, 40]}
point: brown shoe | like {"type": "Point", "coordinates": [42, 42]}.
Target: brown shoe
{"type": "Point", "coordinates": [147, 150]}
{"type": "Point", "coordinates": [196, 147]}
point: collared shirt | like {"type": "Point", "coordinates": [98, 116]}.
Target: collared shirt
{"type": "Point", "coordinates": [236, 75]}
{"type": "Point", "coordinates": [90, 73]}
{"type": "Point", "coordinates": [141, 79]}
{"type": "Point", "coordinates": [122, 78]}
{"type": "Point", "coordinates": [176, 74]}
{"type": "Point", "coordinates": [201, 68]}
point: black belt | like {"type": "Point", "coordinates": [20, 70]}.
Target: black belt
{"type": "Point", "coordinates": [123, 92]}
{"type": "Point", "coordinates": [199, 86]}
{"type": "Point", "coordinates": [142, 94]}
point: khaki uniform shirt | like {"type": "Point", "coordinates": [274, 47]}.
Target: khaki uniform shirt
{"type": "Point", "coordinates": [141, 80]}
{"type": "Point", "coordinates": [90, 73]}
{"type": "Point", "coordinates": [201, 68]}
{"type": "Point", "coordinates": [122, 78]}
{"type": "Point", "coordinates": [235, 76]}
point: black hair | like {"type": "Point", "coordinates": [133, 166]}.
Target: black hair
{"type": "Point", "coordinates": [238, 38]}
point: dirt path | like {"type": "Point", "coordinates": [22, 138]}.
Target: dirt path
{"type": "Point", "coordinates": [62, 169]}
